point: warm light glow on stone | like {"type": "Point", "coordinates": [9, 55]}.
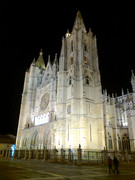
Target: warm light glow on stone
{"type": "Point", "coordinates": [67, 34]}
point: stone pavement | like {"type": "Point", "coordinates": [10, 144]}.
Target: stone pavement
{"type": "Point", "coordinates": [19, 169]}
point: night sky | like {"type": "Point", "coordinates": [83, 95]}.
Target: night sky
{"type": "Point", "coordinates": [28, 27]}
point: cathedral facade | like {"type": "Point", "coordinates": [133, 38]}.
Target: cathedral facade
{"type": "Point", "coordinates": [63, 104]}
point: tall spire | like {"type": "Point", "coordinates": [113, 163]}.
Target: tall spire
{"type": "Point", "coordinates": [133, 80]}
{"type": "Point", "coordinates": [79, 24]}
{"type": "Point", "coordinates": [40, 61]}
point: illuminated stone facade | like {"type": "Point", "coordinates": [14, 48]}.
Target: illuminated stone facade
{"type": "Point", "coordinates": [63, 104]}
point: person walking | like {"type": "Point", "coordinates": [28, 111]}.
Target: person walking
{"type": "Point", "coordinates": [116, 165]}
{"type": "Point", "coordinates": [110, 165]}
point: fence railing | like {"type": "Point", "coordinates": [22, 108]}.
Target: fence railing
{"type": "Point", "coordinates": [76, 156]}
{"type": "Point", "coordinates": [92, 157]}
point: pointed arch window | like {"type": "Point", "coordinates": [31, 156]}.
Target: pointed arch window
{"type": "Point", "coordinates": [119, 143]}
{"type": "Point", "coordinates": [71, 60]}
{"type": "Point", "coordinates": [85, 47]}
{"type": "Point", "coordinates": [110, 145]}
{"type": "Point", "coordinates": [125, 142]}
{"type": "Point", "coordinates": [85, 60]}
{"type": "Point", "coordinates": [71, 45]}
{"type": "Point", "coordinates": [69, 109]}
{"type": "Point", "coordinates": [87, 80]}
{"type": "Point", "coordinates": [70, 80]}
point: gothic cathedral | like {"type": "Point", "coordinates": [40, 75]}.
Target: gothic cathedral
{"type": "Point", "coordinates": [63, 104]}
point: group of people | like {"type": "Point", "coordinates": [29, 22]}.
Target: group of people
{"type": "Point", "coordinates": [114, 162]}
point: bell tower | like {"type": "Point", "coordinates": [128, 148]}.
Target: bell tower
{"type": "Point", "coordinates": [79, 85]}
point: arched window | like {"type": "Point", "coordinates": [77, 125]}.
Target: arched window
{"type": "Point", "coordinates": [110, 145]}
{"type": "Point", "coordinates": [85, 47]}
{"type": "Point", "coordinates": [71, 45]}
{"type": "Point", "coordinates": [70, 80]}
{"type": "Point", "coordinates": [125, 142]}
{"type": "Point", "coordinates": [119, 143]}
{"type": "Point", "coordinates": [69, 109]}
{"type": "Point", "coordinates": [87, 80]}
{"type": "Point", "coordinates": [124, 119]}
{"type": "Point", "coordinates": [71, 60]}
{"type": "Point", "coordinates": [85, 60]}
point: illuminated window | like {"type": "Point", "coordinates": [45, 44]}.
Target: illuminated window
{"type": "Point", "coordinates": [71, 60]}
{"type": "Point", "coordinates": [85, 60]}
{"type": "Point", "coordinates": [124, 119]}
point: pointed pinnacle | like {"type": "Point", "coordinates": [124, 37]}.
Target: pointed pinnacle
{"type": "Point", "coordinates": [55, 56]}
{"type": "Point", "coordinates": [79, 14]}
{"type": "Point", "coordinates": [41, 53]}
{"type": "Point", "coordinates": [122, 92]}
{"type": "Point", "coordinates": [132, 76]}
{"type": "Point", "coordinates": [49, 57]}
{"type": "Point", "coordinates": [34, 60]}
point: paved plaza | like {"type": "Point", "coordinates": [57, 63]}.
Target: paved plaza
{"type": "Point", "coordinates": [19, 169]}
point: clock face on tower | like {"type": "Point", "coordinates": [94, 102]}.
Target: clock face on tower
{"type": "Point", "coordinates": [44, 102]}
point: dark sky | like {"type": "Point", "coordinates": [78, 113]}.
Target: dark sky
{"type": "Point", "coordinates": [28, 27]}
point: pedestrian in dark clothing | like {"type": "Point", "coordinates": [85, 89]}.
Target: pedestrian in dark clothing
{"type": "Point", "coordinates": [110, 165]}
{"type": "Point", "coordinates": [116, 165]}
